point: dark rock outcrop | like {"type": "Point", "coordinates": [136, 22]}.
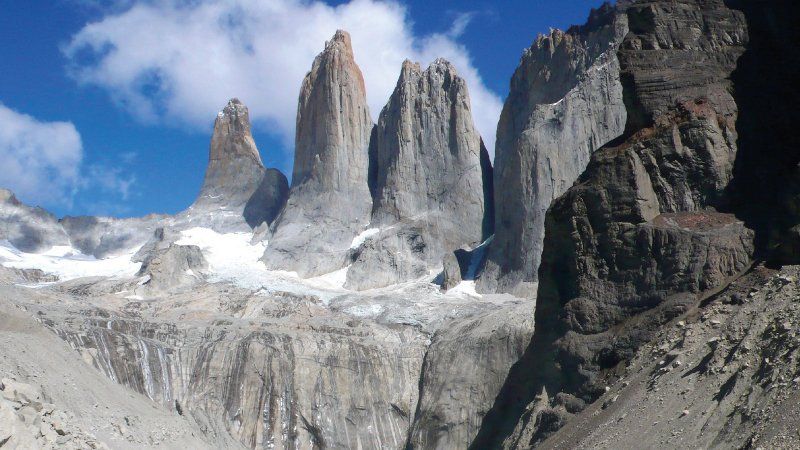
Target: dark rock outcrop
{"type": "Point", "coordinates": [637, 239]}
{"type": "Point", "coordinates": [765, 189]}
{"type": "Point", "coordinates": [330, 201]}
{"type": "Point", "coordinates": [565, 102]}
{"type": "Point", "coordinates": [428, 189]}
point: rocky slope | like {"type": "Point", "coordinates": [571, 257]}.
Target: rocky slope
{"type": "Point", "coordinates": [565, 102]}
{"type": "Point", "coordinates": [428, 179]}
{"type": "Point", "coordinates": [297, 368]}
{"type": "Point", "coordinates": [330, 201]}
{"type": "Point", "coordinates": [722, 375]}
{"type": "Point", "coordinates": [651, 230]}
{"type": "Point", "coordinates": [51, 398]}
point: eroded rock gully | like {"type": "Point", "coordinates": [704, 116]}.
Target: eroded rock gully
{"type": "Point", "coordinates": [290, 371]}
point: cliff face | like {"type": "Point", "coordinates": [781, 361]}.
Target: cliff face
{"type": "Point", "coordinates": [291, 370]}
{"type": "Point", "coordinates": [636, 240]}
{"type": "Point", "coordinates": [235, 178]}
{"type": "Point", "coordinates": [565, 102]}
{"type": "Point", "coordinates": [330, 201]}
{"type": "Point", "coordinates": [428, 187]}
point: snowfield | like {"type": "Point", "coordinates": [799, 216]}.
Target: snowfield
{"type": "Point", "coordinates": [232, 258]}
{"type": "Point", "coordinates": [69, 263]}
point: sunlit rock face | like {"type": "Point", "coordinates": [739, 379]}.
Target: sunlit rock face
{"type": "Point", "coordinates": [330, 201]}
{"type": "Point", "coordinates": [429, 167]}
{"type": "Point", "coordinates": [565, 102]}
{"type": "Point", "coordinates": [236, 180]}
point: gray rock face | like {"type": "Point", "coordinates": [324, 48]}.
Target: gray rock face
{"type": "Point", "coordinates": [287, 370]}
{"type": "Point", "coordinates": [451, 271]}
{"type": "Point", "coordinates": [26, 228]}
{"type": "Point", "coordinates": [636, 240]}
{"type": "Point", "coordinates": [330, 201]}
{"type": "Point", "coordinates": [428, 179]}
{"type": "Point", "coordinates": [714, 374]}
{"type": "Point", "coordinates": [176, 265]}
{"type": "Point", "coordinates": [464, 368]}
{"type": "Point", "coordinates": [236, 179]}
{"type": "Point", "coordinates": [565, 102]}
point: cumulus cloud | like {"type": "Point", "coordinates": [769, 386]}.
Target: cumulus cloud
{"type": "Point", "coordinates": [43, 163]}
{"type": "Point", "coordinates": [178, 62]}
{"type": "Point", "coordinates": [41, 160]}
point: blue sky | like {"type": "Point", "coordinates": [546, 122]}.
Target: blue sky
{"type": "Point", "coordinates": [107, 106]}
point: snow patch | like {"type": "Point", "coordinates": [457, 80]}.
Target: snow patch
{"type": "Point", "coordinates": [333, 280]}
{"type": "Point", "coordinates": [465, 288]}
{"type": "Point", "coordinates": [234, 258]}
{"type": "Point", "coordinates": [359, 240]}
{"type": "Point", "coordinates": [69, 263]}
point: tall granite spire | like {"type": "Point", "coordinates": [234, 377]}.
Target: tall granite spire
{"type": "Point", "coordinates": [428, 189]}
{"type": "Point", "coordinates": [236, 179]}
{"type": "Point", "coordinates": [330, 201]}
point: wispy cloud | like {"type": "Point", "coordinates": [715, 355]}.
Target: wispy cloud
{"type": "Point", "coordinates": [460, 24]}
{"type": "Point", "coordinates": [41, 160]}
{"type": "Point", "coordinates": [178, 62]}
{"type": "Point", "coordinates": [43, 163]}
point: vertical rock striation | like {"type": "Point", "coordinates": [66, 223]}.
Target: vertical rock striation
{"type": "Point", "coordinates": [565, 102]}
{"type": "Point", "coordinates": [637, 239]}
{"type": "Point", "coordinates": [428, 187]}
{"type": "Point", "coordinates": [236, 179]}
{"type": "Point", "coordinates": [330, 201]}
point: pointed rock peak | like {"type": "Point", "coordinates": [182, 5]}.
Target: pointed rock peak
{"type": "Point", "coordinates": [410, 67]}
{"type": "Point", "coordinates": [232, 136]}
{"type": "Point", "coordinates": [443, 65]}
{"type": "Point", "coordinates": [236, 110]}
{"type": "Point", "coordinates": [341, 40]}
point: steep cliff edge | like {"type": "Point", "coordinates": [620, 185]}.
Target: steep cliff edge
{"type": "Point", "coordinates": [428, 188]}
{"type": "Point", "coordinates": [236, 179]}
{"type": "Point", "coordinates": [565, 102]}
{"type": "Point", "coordinates": [636, 240]}
{"type": "Point", "coordinates": [330, 202]}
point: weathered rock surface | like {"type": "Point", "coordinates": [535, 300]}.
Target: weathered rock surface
{"type": "Point", "coordinates": [565, 102]}
{"type": "Point", "coordinates": [282, 369]}
{"type": "Point", "coordinates": [236, 179]}
{"type": "Point", "coordinates": [464, 368]}
{"type": "Point", "coordinates": [26, 228]}
{"type": "Point", "coordinates": [50, 398]}
{"type": "Point", "coordinates": [636, 239]}
{"type": "Point", "coordinates": [428, 188]}
{"type": "Point", "coordinates": [723, 375]}
{"type": "Point", "coordinates": [176, 265]}
{"type": "Point", "coordinates": [330, 201]}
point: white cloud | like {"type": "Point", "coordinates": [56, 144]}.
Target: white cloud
{"type": "Point", "coordinates": [179, 61]}
{"type": "Point", "coordinates": [110, 180]}
{"type": "Point", "coordinates": [41, 160]}
{"type": "Point", "coordinates": [43, 164]}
